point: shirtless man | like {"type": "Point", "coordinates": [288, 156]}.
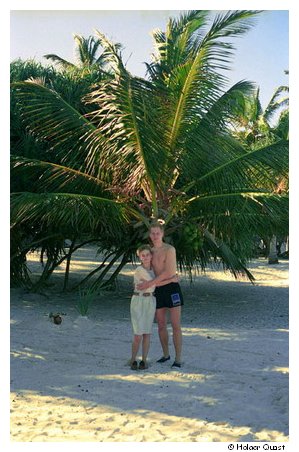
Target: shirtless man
{"type": "Point", "coordinates": [169, 297]}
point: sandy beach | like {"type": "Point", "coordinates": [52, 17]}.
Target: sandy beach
{"type": "Point", "coordinates": [72, 382]}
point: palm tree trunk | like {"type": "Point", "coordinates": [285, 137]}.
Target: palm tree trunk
{"type": "Point", "coordinates": [68, 264]}
{"type": "Point", "coordinates": [272, 258]}
{"type": "Point", "coordinates": [113, 277]}
{"type": "Point", "coordinates": [49, 267]}
{"type": "Point", "coordinates": [103, 264]}
{"type": "Point", "coordinates": [99, 281]}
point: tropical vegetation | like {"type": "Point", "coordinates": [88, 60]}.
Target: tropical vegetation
{"type": "Point", "coordinates": [254, 128]}
{"type": "Point", "coordinates": [98, 153]}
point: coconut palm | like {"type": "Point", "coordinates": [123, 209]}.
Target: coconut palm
{"type": "Point", "coordinates": [254, 127]}
{"type": "Point", "coordinates": [74, 79]}
{"type": "Point", "coordinates": [281, 129]}
{"type": "Point", "coordinates": [255, 123]}
{"type": "Point", "coordinates": [160, 147]}
{"type": "Point", "coordinates": [85, 52]}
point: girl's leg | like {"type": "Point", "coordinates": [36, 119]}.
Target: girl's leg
{"type": "Point", "coordinates": [135, 346]}
{"type": "Point", "coordinates": [145, 346]}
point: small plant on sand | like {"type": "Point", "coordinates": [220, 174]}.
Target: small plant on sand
{"type": "Point", "coordinates": [86, 298]}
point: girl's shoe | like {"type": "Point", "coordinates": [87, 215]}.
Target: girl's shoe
{"type": "Point", "coordinates": [134, 365]}
{"type": "Point", "coordinates": [143, 365]}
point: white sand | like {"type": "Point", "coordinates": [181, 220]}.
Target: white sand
{"type": "Point", "coordinates": [72, 382]}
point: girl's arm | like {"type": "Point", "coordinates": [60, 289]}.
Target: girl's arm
{"type": "Point", "coordinates": [170, 268]}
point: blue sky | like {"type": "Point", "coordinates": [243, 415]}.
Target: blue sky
{"type": "Point", "coordinates": [261, 54]}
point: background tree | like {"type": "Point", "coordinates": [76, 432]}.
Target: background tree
{"type": "Point", "coordinates": [255, 124]}
{"type": "Point", "coordinates": [256, 127]}
{"type": "Point", "coordinates": [86, 50]}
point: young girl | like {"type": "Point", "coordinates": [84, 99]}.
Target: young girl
{"type": "Point", "coordinates": [143, 307]}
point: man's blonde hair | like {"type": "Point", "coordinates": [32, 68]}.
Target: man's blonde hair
{"type": "Point", "coordinates": [156, 224]}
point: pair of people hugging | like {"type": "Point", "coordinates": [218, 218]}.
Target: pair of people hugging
{"type": "Point", "coordinates": [156, 291]}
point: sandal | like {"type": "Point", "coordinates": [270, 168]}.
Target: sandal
{"type": "Point", "coordinates": [134, 365]}
{"type": "Point", "coordinates": [142, 365]}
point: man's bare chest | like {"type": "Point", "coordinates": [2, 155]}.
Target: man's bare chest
{"type": "Point", "coordinates": [159, 259]}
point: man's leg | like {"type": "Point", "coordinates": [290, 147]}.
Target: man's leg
{"type": "Point", "coordinates": [162, 329]}
{"type": "Point", "coordinates": [175, 318]}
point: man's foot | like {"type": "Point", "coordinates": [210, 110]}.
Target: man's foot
{"type": "Point", "coordinates": [143, 365]}
{"type": "Point", "coordinates": [176, 364]}
{"type": "Point", "coordinates": [163, 359]}
{"type": "Point", "coordinates": [134, 365]}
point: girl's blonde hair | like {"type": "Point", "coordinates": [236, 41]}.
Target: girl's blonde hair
{"type": "Point", "coordinates": [143, 248]}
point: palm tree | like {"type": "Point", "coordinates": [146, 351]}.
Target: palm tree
{"type": "Point", "coordinates": [74, 80]}
{"type": "Point", "coordinates": [254, 128]}
{"type": "Point", "coordinates": [254, 123]}
{"type": "Point", "coordinates": [280, 130]}
{"type": "Point", "coordinates": [86, 54]}
{"type": "Point", "coordinates": [160, 147]}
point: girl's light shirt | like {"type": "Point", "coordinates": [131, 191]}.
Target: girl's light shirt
{"type": "Point", "coordinates": [140, 274]}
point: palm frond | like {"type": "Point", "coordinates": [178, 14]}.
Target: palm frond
{"type": "Point", "coordinates": [227, 107]}
{"type": "Point", "coordinates": [277, 93]}
{"type": "Point", "coordinates": [68, 213]}
{"type": "Point", "coordinates": [229, 260]}
{"type": "Point", "coordinates": [173, 46]}
{"type": "Point", "coordinates": [233, 214]}
{"type": "Point", "coordinates": [240, 169]}
{"type": "Point", "coordinates": [195, 84]}
{"type": "Point", "coordinates": [86, 51]}
{"type": "Point", "coordinates": [44, 176]}
{"type": "Point", "coordinates": [54, 121]}
{"type": "Point", "coordinates": [112, 52]}
{"type": "Point", "coordinates": [233, 23]}
{"type": "Point", "coordinates": [60, 61]}
{"type": "Point", "coordinates": [282, 128]}
{"type": "Point", "coordinates": [277, 102]}
{"type": "Point", "coordinates": [131, 121]}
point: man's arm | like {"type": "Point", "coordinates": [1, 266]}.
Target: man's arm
{"type": "Point", "coordinates": [174, 278]}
